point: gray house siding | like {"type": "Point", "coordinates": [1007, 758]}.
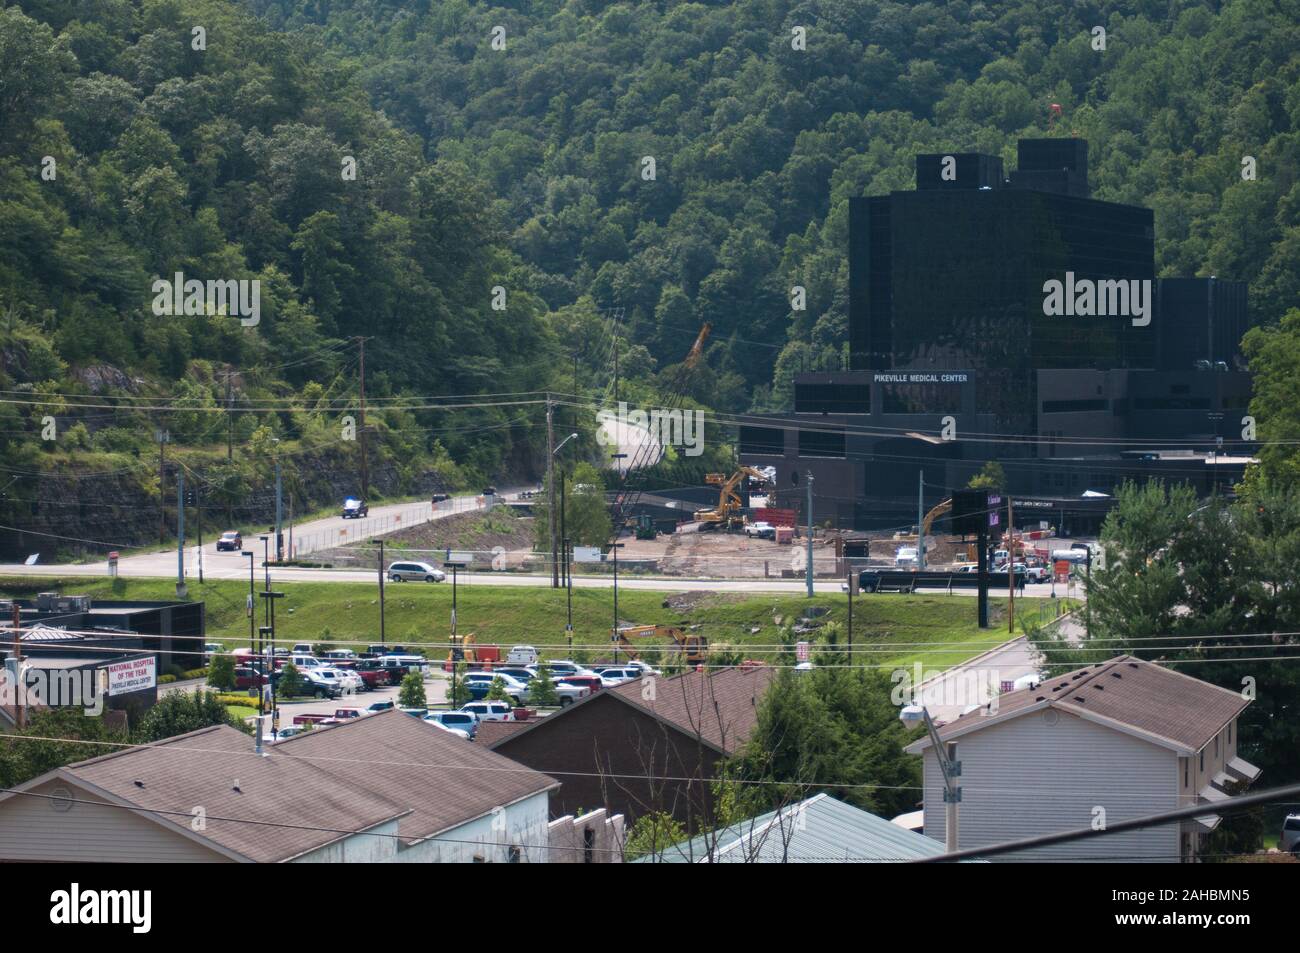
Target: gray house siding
{"type": "Point", "coordinates": [1028, 776]}
{"type": "Point", "coordinates": [31, 829]}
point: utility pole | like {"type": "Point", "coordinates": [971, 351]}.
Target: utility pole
{"type": "Point", "coordinates": [180, 532]}
{"type": "Point", "coordinates": [1011, 569]}
{"type": "Point", "coordinates": [564, 536]}
{"type": "Point", "coordinates": [550, 480]}
{"type": "Point", "coordinates": [198, 503]}
{"type": "Point", "coordinates": [920, 516]}
{"type": "Point", "coordinates": [365, 462]}
{"type": "Point", "coordinates": [161, 436]}
{"type": "Point", "coordinates": [381, 590]}
{"type": "Point", "coordinates": [808, 570]}
{"type": "Point", "coordinates": [20, 718]}
{"type": "Point", "coordinates": [279, 512]}
{"type": "Point", "coordinates": [568, 586]}
{"type": "Point", "coordinates": [230, 422]}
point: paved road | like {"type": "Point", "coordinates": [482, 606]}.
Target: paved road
{"type": "Point", "coordinates": [237, 568]}
{"type": "Point", "coordinates": [307, 537]}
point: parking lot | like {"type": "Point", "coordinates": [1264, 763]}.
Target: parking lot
{"type": "Point", "coordinates": [435, 690]}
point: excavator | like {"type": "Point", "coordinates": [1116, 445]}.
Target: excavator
{"type": "Point", "coordinates": [693, 648]}
{"type": "Point", "coordinates": [726, 513]}
{"type": "Point", "coordinates": [463, 649]}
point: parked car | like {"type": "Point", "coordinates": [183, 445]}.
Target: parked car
{"type": "Point", "coordinates": [302, 648]}
{"type": "Point", "coordinates": [373, 672]}
{"type": "Point", "coordinates": [402, 572]}
{"type": "Point", "coordinates": [341, 655]}
{"type": "Point", "coordinates": [230, 541]}
{"type": "Point", "coordinates": [461, 720]}
{"type": "Point", "coordinates": [490, 711]}
{"type": "Point", "coordinates": [212, 648]}
{"type": "Point", "coordinates": [1290, 839]}
{"type": "Point", "coordinates": [568, 694]}
{"type": "Point", "coordinates": [343, 714]}
{"type": "Point", "coordinates": [247, 677]}
{"type": "Point", "coordinates": [311, 719]}
{"type": "Point", "coordinates": [398, 666]}
{"type": "Point", "coordinates": [522, 655]}
{"type": "Point", "coordinates": [617, 676]}
{"type": "Point", "coordinates": [439, 498]}
{"type": "Point", "coordinates": [591, 681]}
{"type": "Point", "coordinates": [524, 675]}
{"type": "Point", "coordinates": [350, 682]}
{"type": "Point", "coordinates": [321, 685]}
{"type": "Point", "coordinates": [375, 707]}
{"type": "Point", "coordinates": [480, 683]}
{"type": "Point", "coordinates": [1038, 574]}
{"type": "Point", "coordinates": [489, 491]}
{"type": "Point", "coordinates": [458, 732]}
{"type": "Point", "coordinates": [760, 529]}
{"type": "Point", "coordinates": [284, 733]}
{"type": "Point", "coordinates": [558, 667]}
{"type": "Point", "coordinates": [354, 508]}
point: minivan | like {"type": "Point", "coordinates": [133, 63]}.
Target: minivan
{"type": "Point", "coordinates": [403, 572]}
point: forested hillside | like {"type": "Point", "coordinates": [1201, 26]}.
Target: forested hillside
{"type": "Point", "coordinates": [506, 148]}
{"type": "Point", "coordinates": [758, 145]}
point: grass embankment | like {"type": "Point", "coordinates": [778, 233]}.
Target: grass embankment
{"type": "Point", "coordinates": [889, 629]}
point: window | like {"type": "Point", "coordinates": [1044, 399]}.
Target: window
{"type": "Point", "coordinates": [764, 441]}
{"type": "Point", "coordinates": [821, 443]}
{"type": "Point", "coordinates": [1187, 781]}
{"type": "Point", "coordinates": [1229, 732]}
{"type": "Point", "coordinates": [1202, 759]}
{"type": "Point", "coordinates": [512, 855]}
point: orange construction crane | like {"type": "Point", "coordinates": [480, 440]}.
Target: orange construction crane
{"type": "Point", "coordinates": [693, 648]}
{"type": "Point", "coordinates": [729, 502]}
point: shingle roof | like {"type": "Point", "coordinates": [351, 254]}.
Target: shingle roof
{"type": "Point", "coordinates": [721, 706]}
{"type": "Point", "coordinates": [1167, 707]}
{"type": "Point", "coordinates": [345, 778]}
{"type": "Point", "coordinates": [492, 733]}
{"type": "Point", "coordinates": [821, 829]}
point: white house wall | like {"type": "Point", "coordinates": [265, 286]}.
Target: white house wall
{"type": "Point", "coordinates": [1026, 777]}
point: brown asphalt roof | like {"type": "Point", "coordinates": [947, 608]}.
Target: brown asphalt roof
{"type": "Point", "coordinates": [722, 706]}
{"type": "Point", "coordinates": [492, 733]}
{"type": "Point", "coordinates": [1159, 702]}
{"type": "Point", "coordinates": [346, 778]}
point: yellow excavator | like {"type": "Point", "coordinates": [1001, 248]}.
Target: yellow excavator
{"type": "Point", "coordinates": [939, 510]}
{"type": "Point", "coordinates": [726, 513]}
{"type": "Point", "coordinates": [693, 648]}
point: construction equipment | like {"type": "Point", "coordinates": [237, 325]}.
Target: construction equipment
{"type": "Point", "coordinates": [646, 451]}
{"type": "Point", "coordinates": [940, 509]}
{"type": "Point", "coordinates": [727, 513]}
{"type": "Point", "coordinates": [463, 649]}
{"type": "Point", "coordinates": [693, 648]}
{"type": "Point", "coordinates": [645, 527]}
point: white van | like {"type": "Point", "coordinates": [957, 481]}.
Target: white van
{"type": "Point", "coordinates": [905, 558]}
{"type": "Point", "coordinates": [522, 655]}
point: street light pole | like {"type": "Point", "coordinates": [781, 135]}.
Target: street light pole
{"type": "Point", "coordinates": [948, 767]}
{"type": "Point", "coordinates": [808, 573]}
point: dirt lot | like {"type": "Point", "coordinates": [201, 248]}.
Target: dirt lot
{"type": "Point", "coordinates": [478, 531]}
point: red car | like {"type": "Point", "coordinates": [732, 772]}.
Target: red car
{"type": "Point", "coordinates": [372, 673]}
{"type": "Point", "coordinates": [246, 678]}
{"type": "Point", "coordinates": [585, 681]}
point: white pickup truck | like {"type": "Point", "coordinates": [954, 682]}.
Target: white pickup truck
{"type": "Point", "coordinates": [760, 529]}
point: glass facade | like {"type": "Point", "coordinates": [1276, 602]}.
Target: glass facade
{"type": "Point", "coordinates": [954, 279]}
